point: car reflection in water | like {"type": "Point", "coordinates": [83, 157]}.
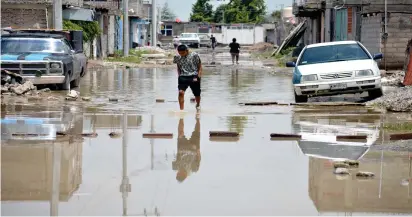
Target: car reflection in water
{"type": "Point", "coordinates": [40, 167]}
{"type": "Point", "coordinates": [188, 152]}
{"type": "Point", "coordinates": [319, 135]}
{"type": "Point", "coordinates": [388, 193]}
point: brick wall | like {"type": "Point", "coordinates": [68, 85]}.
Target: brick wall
{"type": "Point", "coordinates": [393, 5]}
{"type": "Point", "coordinates": [399, 33]}
{"type": "Point", "coordinates": [24, 17]}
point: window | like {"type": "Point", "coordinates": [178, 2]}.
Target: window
{"type": "Point", "coordinates": [27, 45]}
{"type": "Point", "coordinates": [167, 30]}
{"type": "Point", "coordinates": [333, 53]}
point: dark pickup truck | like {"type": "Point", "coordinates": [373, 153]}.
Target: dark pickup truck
{"type": "Point", "coordinates": [45, 56]}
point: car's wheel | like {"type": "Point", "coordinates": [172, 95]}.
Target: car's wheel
{"type": "Point", "coordinates": [374, 94]}
{"type": "Point", "coordinates": [66, 84]}
{"type": "Point", "coordinates": [301, 98]}
{"type": "Point", "coordinates": [197, 45]}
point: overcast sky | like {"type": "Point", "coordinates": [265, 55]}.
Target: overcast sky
{"type": "Point", "coordinates": [182, 8]}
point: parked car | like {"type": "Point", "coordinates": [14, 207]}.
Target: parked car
{"type": "Point", "coordinates": [190, 39]}
{"type": "Point", "coordinates": [45, 57]}
{"type": "Point", "coordinates": [205, 40]}
{"type": "Point", "coordinates": [333, 68]}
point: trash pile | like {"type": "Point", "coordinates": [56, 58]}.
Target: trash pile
{"type": "Point", "coordinates": [262, 46]}
{"type": "Point", "coordinates": [394, 79]}
{"type": "Point", "coordinates": [12, 83]}
{"type": "Point", "coordinates": [397, 101]}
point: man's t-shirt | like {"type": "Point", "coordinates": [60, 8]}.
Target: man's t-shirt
{"type": "Point", "coordinates": [188, 65]}
{"type": "Point", "coordinates": [213, 39]}
{"type": "Point", "coordinates": [234, 47]}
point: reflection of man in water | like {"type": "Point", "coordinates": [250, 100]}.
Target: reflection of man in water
{"type": "Point", "coordinates": [188, 152]}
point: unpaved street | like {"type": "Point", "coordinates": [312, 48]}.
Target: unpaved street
{"type": "Point", "coordinates": [190, 173]}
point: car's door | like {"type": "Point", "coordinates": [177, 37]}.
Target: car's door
{"type": "Point", "coordinates": [77, 65]}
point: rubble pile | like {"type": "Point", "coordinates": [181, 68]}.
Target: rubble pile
{"type": "Point", "coordinates": [150, 49]}
{"type": "Point", "coordinates": [398, 101]}
{"type": "Point", "coordinates": [393, 79]}
{"type": "Point", "coordinates": [14, 83]}
{"type": "Point", "coordinates": [262, 46]}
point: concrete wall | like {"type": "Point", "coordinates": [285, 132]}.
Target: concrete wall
{"type": "Point", "coordinates": [26, 15]}
{"type": "Point", "coordinates": [111, 34]}
{"type": "Point", "coordinates": [399, 33]}
{"type": "Point", "coordinates": [371, 34]}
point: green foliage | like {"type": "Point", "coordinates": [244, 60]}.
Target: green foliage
{"type": "Point", "coordinates": [135, 56]}
{"type": "Point", "coordinates": [241, 11]}
{"type": "Point", "coordinates": [167, 13]}
{"type": "Point", "coordinates": [405, 126]}
{"type": "Point", "coordinates": [276, 14]}
{"type": "Point", "coordinates": [202, 11]}
{"type": "Point", "coordinates": [91, 29]}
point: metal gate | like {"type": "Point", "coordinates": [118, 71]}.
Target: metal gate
{"type": "Point", "coordinates": [341, 24]}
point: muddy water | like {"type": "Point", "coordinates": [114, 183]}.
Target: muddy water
{"type": "Point", "coordinates": [190, 174]}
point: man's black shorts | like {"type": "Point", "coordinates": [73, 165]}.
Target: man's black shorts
{"type": "Point", "coordinates": [187, 81]}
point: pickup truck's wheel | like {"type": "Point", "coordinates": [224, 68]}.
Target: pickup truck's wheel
{"type": "Point", "coordinates": [66, 84]}
{"type": "Point", "coordinates": [76, 82]}
{"type": "Point", "coordinates": [197, 45]}
{"type": "Point", "coordinates": [374, 94]}
{"type": "Point", "coordinates": [301, 99]}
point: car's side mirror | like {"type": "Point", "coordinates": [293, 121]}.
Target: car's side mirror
{"type": "Point", "coordinates": [378, 56]}
{"type": "Point", "coordinates": [290, 64]}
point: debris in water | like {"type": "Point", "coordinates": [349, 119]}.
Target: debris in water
{"type": "Point", "coordinates": [223, 134]}
{"type": "Point", "coordinates": [160, 100]}
{"type": "Point", "coordinates": [86, 98]}
{"type": "Point", "coordinates": [342, 171]}
{"type": "Point", "coordinates": [340, 164]}
{"type": "Point", "coordinates": [351, 162]}
{"type": "Point", "coordinates": [91, 135]}
{"type": "Point", "coordinates": [115, 135]}
{"type": "Point", "coordinates": [365, 174]}
{"type": "Point", "coordinates": [113, 100]}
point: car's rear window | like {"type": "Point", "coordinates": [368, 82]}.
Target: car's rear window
{"type": "Point", "coordinates": [333, 53]}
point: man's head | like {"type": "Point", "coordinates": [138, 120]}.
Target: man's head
{"type": "Point", "coordinates": [212, 35]}
{"type": "Point", "coordinates": [182, 50]}
{"type": "Point", "coordinates": [234, 40]}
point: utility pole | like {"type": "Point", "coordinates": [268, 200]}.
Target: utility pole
{"type": "Point", "coordinates": [154, 23]}
{"type": "Point", "coordinates": [126, 28]}
{"type": "Point", "coordinates": [57, 15]}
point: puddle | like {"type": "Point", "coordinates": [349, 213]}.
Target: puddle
{"type": "Point", "coordinates": [192, 174]}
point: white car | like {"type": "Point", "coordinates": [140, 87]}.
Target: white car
{"type": "Point", "coordinates": [334, 68]}
{"type": "Point", "coordinates": [190, 39]}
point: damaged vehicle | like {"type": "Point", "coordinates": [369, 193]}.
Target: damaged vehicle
{"type": "Point", "coordinates": [45, 57]}
{"type": "Point", "coordinates": [333, 68]}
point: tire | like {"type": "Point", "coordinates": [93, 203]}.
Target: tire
{"type": "Point", "coordinates": [301, 99]}
{"type": "Point", "coordinates": [197, 45]}
{"type": "Point", "coordinates": [66, 84]}
{"type": "Point", "coordinates": [76, 82]}
{"type": "Point", "coordinates": [374, 94]}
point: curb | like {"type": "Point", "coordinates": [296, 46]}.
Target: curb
{"type": "Point", "coordinates": [223, 134]}
{"type": "Point", "coordinates": [403, 136]}
{"type": "Point", "coordinates": [158, 135]}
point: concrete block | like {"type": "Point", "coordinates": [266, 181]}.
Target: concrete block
{"type": "Point", "coordinates": [223, 134]}
{"type": "Point", "coordinates": [404, 136]}
{"type": "Point", "coordinates": [289, 136]}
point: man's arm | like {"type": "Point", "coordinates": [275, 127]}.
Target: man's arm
{"type": "Point", "coordinates": [175, 60]}
{"type": "Point", "coordinates": [199, 65]}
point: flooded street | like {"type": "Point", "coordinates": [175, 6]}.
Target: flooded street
{"type": "Point", "coordinates": [191, 173]}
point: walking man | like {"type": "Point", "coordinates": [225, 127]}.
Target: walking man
{"type": "Point", "coordinates": [213, 39]}
{"type": "Point", "coordinates": [234, 51]}
{"type": "Point", "coordinates": [189, 69]}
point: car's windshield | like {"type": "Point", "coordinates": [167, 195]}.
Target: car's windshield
{"type": "Point", "coordinates": [333, 53]}
{"type": "Point", "coordinates": [185, 35]}
{"type": "Point", "coordinates": [24, 45]}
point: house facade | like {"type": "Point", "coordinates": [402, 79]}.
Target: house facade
{"type": "Point", "coordinates": [361, 20]}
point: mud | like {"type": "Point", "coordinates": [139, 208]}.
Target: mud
{"type": "Point", "coordinates": [105, 166]}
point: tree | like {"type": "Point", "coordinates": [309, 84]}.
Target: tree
{"type": "Point", "coordinates": [218, 15]}
{"type": "Point", "coordinates": [245, 11]}
{"type": "Point", "coordinates": [202, 11]}
{"type": "Point", "coordinates": [167, 13]}
{"type": "Point", "coordinates": [276, 14]}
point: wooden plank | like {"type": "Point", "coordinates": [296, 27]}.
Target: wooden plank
{"type": "Point", "coordinates": [289, 136]}
{"type": "Point", "coordinates": [403, 136]}
{"type": "Point", "coordinates": [351, 137]}
{"type": "Point", "coordinates": [158, 135]}
{"type": "Point", "coordinates": [223, 134]}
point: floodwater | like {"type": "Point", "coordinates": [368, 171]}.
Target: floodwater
{"type": "Point", "coordinates": [192, 174]}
